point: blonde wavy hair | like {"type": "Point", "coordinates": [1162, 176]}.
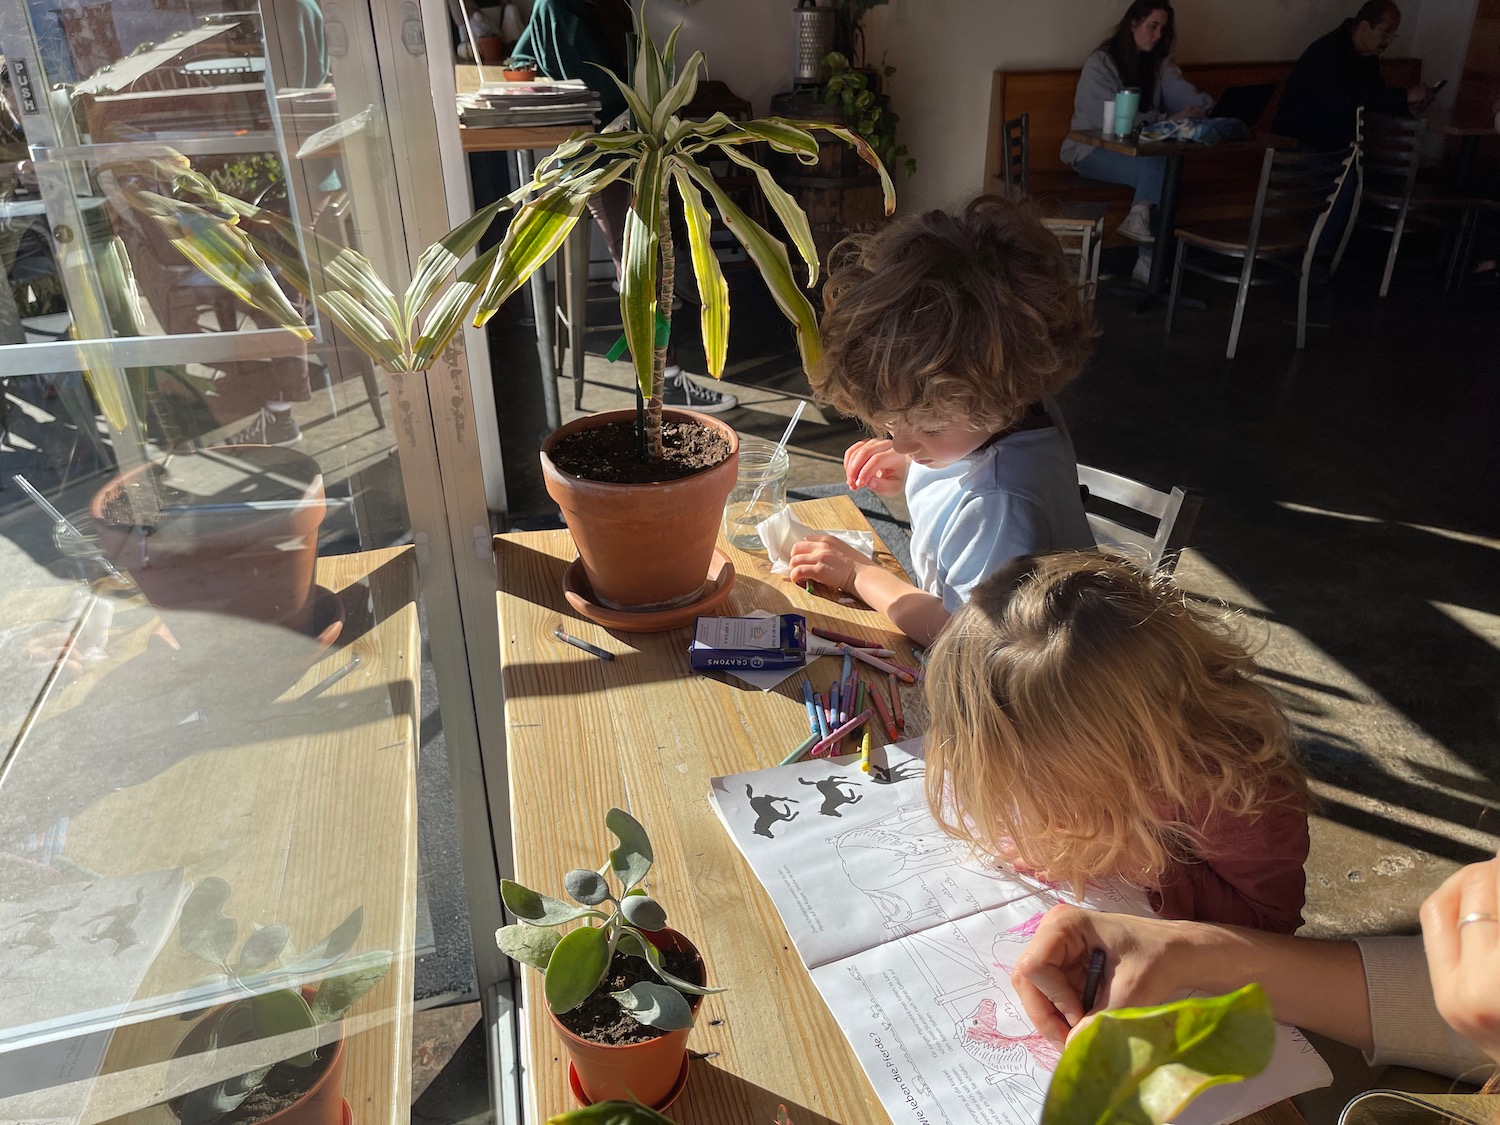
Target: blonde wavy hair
{"type": "Point", "coordinates": [1082, 710]}
{"type": "Point", "coordinates": [939, 317]}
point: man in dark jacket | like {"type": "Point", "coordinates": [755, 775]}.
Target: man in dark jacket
{"type": "Point", "coordinates": [1341, 72]}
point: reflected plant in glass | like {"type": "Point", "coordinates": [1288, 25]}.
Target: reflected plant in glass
{"type": "Point", "coordinates": [280, 991]}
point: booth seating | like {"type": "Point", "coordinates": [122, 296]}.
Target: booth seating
{"type": "Point", "coordinates": [1211, 189]}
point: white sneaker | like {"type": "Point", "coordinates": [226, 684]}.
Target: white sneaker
{"type": "Point", "coordinates": [1142, 271]}
{"type": "Point", "coordinates": [1137, 225]}
{"type": "Point", "coordinates": [681, 391]}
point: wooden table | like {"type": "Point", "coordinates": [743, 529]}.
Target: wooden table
{"type": "Point", "coordinates": [1175, 152]}
{"type": "Point", "coordinates": [1468, 128]}
{"type": "Point", "coordinates": [298, 792]}
{"type": "Point", "coordinates": [645, 734]}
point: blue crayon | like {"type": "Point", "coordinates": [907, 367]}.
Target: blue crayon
{"type": "Point", "coordinates": [822, 715]}
{"type": "Point", "coordinates": [812, 714]}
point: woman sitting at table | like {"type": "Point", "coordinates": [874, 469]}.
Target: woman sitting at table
{"type": "Point", "coordinates": [1137, 54]}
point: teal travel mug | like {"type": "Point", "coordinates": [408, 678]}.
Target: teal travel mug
{"type": "Point", "coordinates": [1127, 101]}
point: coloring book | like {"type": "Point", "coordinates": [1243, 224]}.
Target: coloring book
{"type": "Point", "coordinates": [910, 939]}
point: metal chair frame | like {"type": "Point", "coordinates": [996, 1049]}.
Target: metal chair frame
{"type": "Point", "coordinates": [1176, 514]}
{"type": "Point", "coordinates": [1080, 233]}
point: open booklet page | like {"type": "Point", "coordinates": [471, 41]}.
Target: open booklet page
{"type": "Point", "coordinates": [911, 941]}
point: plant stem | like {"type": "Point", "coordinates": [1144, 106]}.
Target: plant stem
{"type": "Point", "coordinates": [664, 309]}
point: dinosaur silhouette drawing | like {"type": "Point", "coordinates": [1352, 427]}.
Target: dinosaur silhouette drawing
{"type": "Point", "coordinates": [834, 796]}
{"type": "Point", "coordinates": [119, 929]}
{"type": "Point", "coordinates": [769, 810]}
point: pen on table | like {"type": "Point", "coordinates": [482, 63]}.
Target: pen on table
{"type": "Point", "coordinates": [835, 736]}
{"type": "Point", "coordinates": [884, 712]}
{"type": "Point", "coordinates": [821, 712]}
{"type": "Point", "coordinates": [896, 711]}
{"type": "Point", "coordinates": [807, 698]}
{"type": "Point", "coordinates": [797, 754]}
{"type": "Point", "coordinates": [1091, 981]}
{"type": "Point", "coordinates": [332, 678]}
{"type": "Point", "coordinates": [576, 642]}
{"type": "Point", "coordinates": [876, 662]}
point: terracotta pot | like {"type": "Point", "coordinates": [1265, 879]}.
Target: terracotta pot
{"type": "Point", "coordinates": [519, 74]}
{"type": "Point", "coordinates": [491, 49]}
{"type": "Point", "coordinates": [644, 546]}
{"type": "Point", "coordinates": [227, 557]}
{"type": "Point", "coordinates": [645, 1071]}
{"type": "Point", "coordinates": [322, 1104]}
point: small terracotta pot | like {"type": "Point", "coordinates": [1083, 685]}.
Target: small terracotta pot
{"type": "Point", "coordinates": [644, 1071]}
{"type": "Point", "coordinates": [322, 1104]}
{"type": "Point", "coordinates": [519, 74]}
{"type": "Point", "coordinates": [491, 49]}
{"type": "Point", "coordinates": [644, 546]}
{"type": "Point", "coordinates": [250, 563]}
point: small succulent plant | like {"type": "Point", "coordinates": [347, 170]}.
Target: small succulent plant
{"type": "Point", "coordinates": [576, 962]}
{"type": "Point", "coordinates": [269, 974]}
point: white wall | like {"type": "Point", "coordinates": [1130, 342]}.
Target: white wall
{"type": "Point", "coordinates": [945, 51]}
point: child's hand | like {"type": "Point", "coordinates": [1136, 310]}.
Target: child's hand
{"type": "Point", "coordinates": [1463, 957]}
{"type": "Point", "coordinates": [873, 464]}
{"type": "Point", "coordinates": [1014, 858]}
{"type": "Point", "coordinates": [824, 559]}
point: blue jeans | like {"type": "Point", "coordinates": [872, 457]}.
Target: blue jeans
{"type": "Point", "coordinates": [1143, 173]}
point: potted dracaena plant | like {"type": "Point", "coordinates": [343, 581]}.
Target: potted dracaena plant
{"type": "Point", "coordinates": [1131, 1066]}
{"type": "Point", "coordinates": [278, 991]}
{"type": "Point", "coordinates": [659, 153]}
{"type": "Point", "coordinates": [622, 989]}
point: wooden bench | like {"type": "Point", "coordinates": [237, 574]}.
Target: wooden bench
{"type": "Point", "coordinates": [1211, 189]}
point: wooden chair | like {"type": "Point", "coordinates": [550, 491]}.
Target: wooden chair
{"type": "Point", "coordinates": [1078, 225]}
{"type": "Point", "coordinates": [1392, 153]}
{"type": "Point", "coordinates": [1292, 204]}
{"type": "Point", "coordinates": [1174, 514]}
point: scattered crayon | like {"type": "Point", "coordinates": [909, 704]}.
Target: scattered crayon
{"type": "Point", "coordinates": [827, 744]}
{"type": "Point", "coordinates": [885, 714]}
{"type": "Point", "coordinates": [876, 662]}
{"type": "Point", "coordinates": [798, 754]}
{"type": "Point", "coordinates": [896, 705]}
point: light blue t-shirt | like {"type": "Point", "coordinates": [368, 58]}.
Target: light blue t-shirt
{"type": "Point", "coordinates": [1017, 496]}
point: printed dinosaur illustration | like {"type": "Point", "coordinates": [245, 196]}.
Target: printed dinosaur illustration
{"type": "Point", "coordinates": [769, 809]}
{"type": "Point", "coordinates": [834, 796]}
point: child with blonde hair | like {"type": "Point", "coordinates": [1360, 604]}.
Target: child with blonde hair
{"type": "Point", "coordinates": [1089, 722]}
{"type": "Point", "coordinates": [946, 334]}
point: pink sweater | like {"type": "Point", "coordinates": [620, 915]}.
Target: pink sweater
{"type": "Point", "coordinates": [1247, 871]}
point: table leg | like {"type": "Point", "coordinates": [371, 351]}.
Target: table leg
{"type": "Point", "coordinates": [1161, 254]}
{"type": "Point", "coordinates": [544, 315]}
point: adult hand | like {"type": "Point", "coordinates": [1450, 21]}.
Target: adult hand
{"type": "Point", "coordinates": [1419, 99]}
{"type": "Point", "coordinates": [824, 559]}
{"type": "Point", "coordinates": [1191, 113]}
{"type": "Point", "coordinates": [1049, 977]}
{"type": "Point", "coordinates": [1463, 956]}
{"type": "Point", "coordinates": [875, 465]}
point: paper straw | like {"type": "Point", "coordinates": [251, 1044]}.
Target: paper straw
{"type": "Point", "coordinates": [780, 446]}
{"type": "Point", "coordinates": [876, 662]}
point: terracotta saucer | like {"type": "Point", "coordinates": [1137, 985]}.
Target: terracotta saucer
{"type": "Point", "coordinates": [672, 1095]}
{"type": "Point", "coordinates": [580, 596]}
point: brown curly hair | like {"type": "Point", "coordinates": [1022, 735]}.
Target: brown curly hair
{"type": "Point", "coordinates": [942, 316]}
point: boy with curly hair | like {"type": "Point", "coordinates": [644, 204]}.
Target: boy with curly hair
{"type": "Point", "coordinates": [949, 333]}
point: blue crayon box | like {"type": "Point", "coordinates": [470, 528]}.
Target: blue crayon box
{"type": "Point", "coordinates": [748, 642]}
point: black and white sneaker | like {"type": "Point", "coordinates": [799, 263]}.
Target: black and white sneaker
{"type": "Point", "coordinates": [270, 427]}
{"type": "Point", "coordinates": [680, 391]}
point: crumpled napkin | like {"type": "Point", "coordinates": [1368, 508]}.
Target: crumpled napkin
{"type": "Point", "coordinates": [781, 532]}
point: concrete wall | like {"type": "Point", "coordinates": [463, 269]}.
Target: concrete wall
{"type": "Point", "coordinates": [945, 51]}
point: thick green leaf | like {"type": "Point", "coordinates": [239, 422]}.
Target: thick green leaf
{"type": "Point", "coordinates": [587, 887]}
{"type": "Point", "coordinates": [648, 67]}
{"type": "Point", "coordinates": [539, 909]}
{"type": "Point", "coordinates": [634, 944]}
{"type": "Point", "coordinates": [361, 326]}
{"type": "Point", "coordinates": [341, 991]}
{"type": "Point", "coordinates": [632, 858]}
{"type": "Point", "coordinates": [638, 286]}
{"type": "Point", "coordinates": [449, 310]}
{"type": "Point", "coordinates": [679, 95]}
{"type": "Point", "coordinates": [261, 948]}
{"type": "Point", "coordinates": [861, 146]}
{"type": "Point", "coordinates": [610, 1113]}
{"type": "Point", "coordinates": [442, 257]}
{"type": "Point", "coordinates": [530, 945]}
{"type": "Point", "coordinates": [780, 135]}
{"type": "Point", "coordinates": [638, 111]}
{"type": "Point", "coordinates": [787, 210]}
{"type": "Point", "coordinates": [713, 289]}
{"type": "Point", "coordinates": [669, 52]}
{"type": "Point", "coordinates": [643, 912]}
{"type": "Point", "coordinates": [655, 1005]}
{"type": "Point", "coordinates": [281, 1012]}
{"type": "Point", "coordinates": [770, 257]}
{"type": "Point", "coordinates": [576, 967]}
{"type": "Point", "coordinates": [334, 946]}
{"type": "Point", "coordinates": [1141, 1066]}
{"type": "Point", "coordinates": [203, 929]}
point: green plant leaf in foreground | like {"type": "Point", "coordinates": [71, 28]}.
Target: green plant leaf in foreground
{"type": "Point", "coordinates": [1141, 1066]}
{"type": "Point", "coordinates": [632, 859]}
{"type": "Point", "coordinates": [577, 966]}
{"type": "Point", "coordinates": [610, 1113]}
{"type": "Point", "coordinates": [203, 929]}
{"type": "Point", "coordinates": [543, 910]}
{"type": "Point", "coordinates": [656, 1005]}
{"type": "Point", "coordinates": [531, 945]}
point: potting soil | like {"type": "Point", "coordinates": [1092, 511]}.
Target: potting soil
{"type": "Point", "coordinates": [610, 454]}
{"type": "Point", "coordinates": [600, 1019]}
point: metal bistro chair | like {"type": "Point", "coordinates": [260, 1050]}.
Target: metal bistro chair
{"type": "Point", "coordinates": [1174, 514]}
{"type": "Point", "coordinates": [1292, 204]}
{"type": "Point", "coordinates": [1392, 152]}
{"type": "Point", "coordinates": [1079, 226]}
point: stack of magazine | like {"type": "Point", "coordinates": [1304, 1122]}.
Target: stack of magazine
{"type": "Point", "coordinates": [540, 102]}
